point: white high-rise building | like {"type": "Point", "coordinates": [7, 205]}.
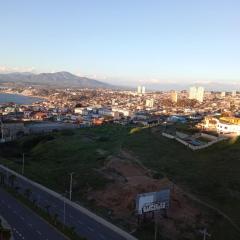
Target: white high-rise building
{"type": "Point", "coordinates": [192, 92]}
{"type": "Point", "coordinates": [196, 93]}
{"type": "Point", "coordinates": [223, 94]}
{"type": "Point", "coordinates": [174, 96]}
{"type": "Point", "coordinates": [141, 89]}
{"type": "Point", "coordinates": [150, 103]}
{"type": "Point", "coordinates": [234, 93]}
{"type": "Point", "coordinates": [200, 94]}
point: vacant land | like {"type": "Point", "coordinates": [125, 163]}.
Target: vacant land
{"type": "Point", "coordinates": [212, 175]}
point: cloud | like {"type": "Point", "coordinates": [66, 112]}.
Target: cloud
{"type": "Point", "coordinates": [160, 81]}
{"type": "Point", "coordinates": [7, 69]}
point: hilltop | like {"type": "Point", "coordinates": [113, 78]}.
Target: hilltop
{"type": "Point", "coordinates": [58, 79]}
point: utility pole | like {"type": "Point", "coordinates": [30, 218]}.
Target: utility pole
{"type": "Point", "coordinates": [156, 223]}
{"type": "Point", "coordinates": [23, 163]}
{"type": "Point", "coordinates": [70, 189]}
{"type": "Point", "coordinates": [64, 211]}
{"type": "Point", "coordinates": [2, 133]}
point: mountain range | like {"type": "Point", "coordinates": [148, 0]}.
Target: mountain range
{"type": "Point", "coordinates": [58, 79]}
{"type": "Point", "coordinates": [69, 80]}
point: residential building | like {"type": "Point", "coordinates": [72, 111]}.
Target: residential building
{"type": "Point", "coordinates": [196, 93]}
{"type": "Point", "coordinates": [174, 96]}
{"type": "Point", "coordinates": [150, 103]}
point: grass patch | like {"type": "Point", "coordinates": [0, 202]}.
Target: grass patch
{"type": "Point", "coordinates": [212, 174]}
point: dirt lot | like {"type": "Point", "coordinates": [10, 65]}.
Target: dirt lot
{"type": "Point", "coordinates": [129, 179]}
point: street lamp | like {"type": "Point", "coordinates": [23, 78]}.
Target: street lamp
{"type": "Point", "coordinates": [70, 188]}
{"type": "Point", "coordinates": [2, 131]}
{"type": "Point", "coordinates": [23, 163]}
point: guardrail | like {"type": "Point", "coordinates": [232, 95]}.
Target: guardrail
{"type": "Point", "coordinates": [74, 205]}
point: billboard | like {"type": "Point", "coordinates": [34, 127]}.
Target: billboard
{"type": "Point", "coordinates": [152, 201]}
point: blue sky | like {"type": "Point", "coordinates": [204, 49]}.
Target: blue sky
{"type": "Point", "coordinates": [126, 41]}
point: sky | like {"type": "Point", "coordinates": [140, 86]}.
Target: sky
{"type": "Point", "coordinates": [124, 42]}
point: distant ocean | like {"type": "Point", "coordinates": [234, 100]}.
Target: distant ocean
{"type": "Point", "coordinates": [18, 99]}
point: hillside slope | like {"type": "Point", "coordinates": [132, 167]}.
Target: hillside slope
{"type": "Point", "coordinates": [58, 79]}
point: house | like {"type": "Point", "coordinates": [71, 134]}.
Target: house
{"type": "Point", "coordinates": [40, 116]}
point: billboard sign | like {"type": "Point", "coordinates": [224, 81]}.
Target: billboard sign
{"type": "Point", "coordinates": [155, 206]}
{"type": "Point", "coordinates": [152, 201]}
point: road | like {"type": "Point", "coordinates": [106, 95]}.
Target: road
{"type": "Point", "coordinates": [24, 222]}
{"type": "Point", "coordinates": [83, 221]}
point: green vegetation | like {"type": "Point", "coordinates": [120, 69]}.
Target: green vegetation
{"type": "Point", "coordinates": [212, 174]}
{"type": "Point", "coordinates": [49, 158]}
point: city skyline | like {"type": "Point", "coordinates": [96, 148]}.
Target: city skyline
{"type": "Point", "coordinates": [129, 42]}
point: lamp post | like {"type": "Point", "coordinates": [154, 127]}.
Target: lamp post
{"type": "Point", "coordinates": [64, 211]}
{"type": "Point", "coordinates": [205, 233]}
{"type": "Point", "coordinates": [70, 188]}
{"type": "Point", "coordinates": [2, 131]}
{"type": "Point", "coordinates": [23, 163]}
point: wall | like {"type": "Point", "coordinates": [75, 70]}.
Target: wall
{"type": "Point", "coordinates": [217, 139]}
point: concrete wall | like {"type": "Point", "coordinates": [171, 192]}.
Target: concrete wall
{"type": "Point", "coordinates": [216, 139]}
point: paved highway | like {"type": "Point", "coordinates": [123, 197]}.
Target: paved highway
{"type": "Point", "coordinates": [84, 222]}
{"type": "Point", "coordinates": [25, 223]}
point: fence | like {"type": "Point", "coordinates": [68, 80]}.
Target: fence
{"type": "Point", "coordinates": [29, 184]}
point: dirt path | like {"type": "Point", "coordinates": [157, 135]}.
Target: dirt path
{"type": "Point", "coordinates": [220, 212]}
{"type": "Point", "coordinates": [194, 198]}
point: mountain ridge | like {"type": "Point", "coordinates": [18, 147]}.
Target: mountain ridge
{"type": "Point", "coordinates": [57, 79]}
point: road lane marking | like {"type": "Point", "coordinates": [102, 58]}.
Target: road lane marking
{"type": "Point", "coordinates": [39, 232]}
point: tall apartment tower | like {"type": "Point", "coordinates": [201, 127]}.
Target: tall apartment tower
{"type": "Point", "coordinates": [141, 89]}
{"type": "Point", "coordinates": [223, 94]}
{"type": "Point", "coordinates": [174, 96]}
{"type": "Point", "coordinates": [200, 94]}
{"type": "Point", "coordinates": [192, 92]}
{"type": "Point", "coordinates": [196, 93]}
